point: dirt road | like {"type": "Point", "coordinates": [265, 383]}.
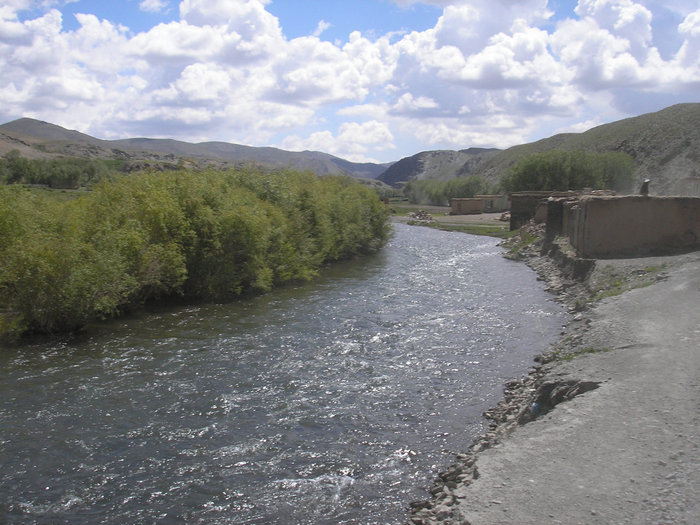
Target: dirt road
{"type": "Point", "coordinates": [625, 452]}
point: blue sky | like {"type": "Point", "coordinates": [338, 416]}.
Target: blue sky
{"type": "Point", "coordinates": [367, 80]}
{"type": "Point", "coordinates": [297, 17]}
{"type": "Point", "coordinates": [371, 17]}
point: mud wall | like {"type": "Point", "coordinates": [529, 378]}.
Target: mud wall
{"type": "Point", "coordinates": [524, 204]}
{"type": "Point", "coordinates": [466, 206]}
{"type": "Point", "coordinates": [609, 227]}
{"type": "Point", "coordinates": [494, 203]}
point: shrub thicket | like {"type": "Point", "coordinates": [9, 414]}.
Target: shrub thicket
{"type": "Point", "coordinates": [571, 170]}
{"type": "Point", "coordinates": [211, 235]}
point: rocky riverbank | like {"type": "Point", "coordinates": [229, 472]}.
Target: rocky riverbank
{"type": "Point", "coordinates": [508, 475]}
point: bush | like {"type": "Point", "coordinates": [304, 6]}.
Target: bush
{"type": "Point", "coordinates": [210, 235]}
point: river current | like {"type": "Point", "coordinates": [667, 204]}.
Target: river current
{"type": "Point", "coordinates": [335, 401]}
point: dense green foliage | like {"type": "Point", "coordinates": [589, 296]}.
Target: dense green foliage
{"type": "Point", "coordinates": [571, 170]}
{"type": "Point", "coordinates": [439, 193]}
{"type": "Point", "coordinates": [65, 172]}
{"type": "Point", "coordinates": [212, 235]}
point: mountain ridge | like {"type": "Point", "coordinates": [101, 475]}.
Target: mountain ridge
{"type": "Point", "coordinates": [37, 139]}
{"type": "Point", "coordinates": [665, 146]}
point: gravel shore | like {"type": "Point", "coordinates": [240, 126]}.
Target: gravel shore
{"type": "Point", "coordinates": [604, 429]}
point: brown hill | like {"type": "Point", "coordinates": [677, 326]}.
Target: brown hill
{"type": "Point", "coordinates": [439, 164]}
{"type": "Point", "coordinates": [34, 139]}
{"type": "Point", "coordinates": [664, 145]}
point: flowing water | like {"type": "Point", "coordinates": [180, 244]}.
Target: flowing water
{"type": "Point", "coordinates": [336, 401]}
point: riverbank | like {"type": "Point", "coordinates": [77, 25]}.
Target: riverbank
{"type": "Point", "coordinates": [438, 217]}
{"type": "Point", "coordinates": [622, 446]}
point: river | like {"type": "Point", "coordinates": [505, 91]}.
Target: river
{"type": "Point", "coordinates": [335, 401]}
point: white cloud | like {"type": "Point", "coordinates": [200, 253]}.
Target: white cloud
{"type": "Point", "coordinates": [321, 28]}
{"type": "Point", "coordinates": [440, 3]}
{"type": "Point", "coordinates": [626, 19]}
{"type": "Point", "coordinates": [490, 73]}
{"type": "Point", "coordinates": [153, 6]}
{"type": "Point", "coordinates": [370, 132]}
{"type": "Point", "coordinates": [460, 133]}
{"type": "Point", "coordinates": [363, 110]}
{"type": "Point", "coordinates": [518, 59]}
{"type": "Point", "coordinates": [313, 72]}
{"type": "Point", "coordinates": [468, 25]}
{"type": "Point", "coordinates": [352, 142]}
{"type": "Point", "coordinates": [609, 47]}
{"type": "Point", "coordinates": [407, 103]}
{"type": "Point", "coordinates": [198, 83]}
{"type": "Point", "coordinates": [580, 127]}
{"type": "Point", "coordinates": [688, 57]}
{"type": "Point", "coordinates": [11, 6]}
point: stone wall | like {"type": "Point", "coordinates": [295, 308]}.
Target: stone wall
{"type": "Point", "coordinates": [610, 227]}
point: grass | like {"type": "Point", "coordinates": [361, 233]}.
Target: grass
{"type": "Point", "coordinates": [403, 207]}
{"type": "Point", "coordinates": [500, 232]}
{"type": "Point", "coordinates": [612, 282]}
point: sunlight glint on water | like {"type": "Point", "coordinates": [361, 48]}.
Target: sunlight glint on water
{"type": "Point", "coordinates": [329, 402]}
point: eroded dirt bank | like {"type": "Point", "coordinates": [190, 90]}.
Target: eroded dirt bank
{"type": "Point", "coordinates": [604, 429]}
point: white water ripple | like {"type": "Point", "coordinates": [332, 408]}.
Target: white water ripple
{"type": "Point", "coordinates": [336, 401]}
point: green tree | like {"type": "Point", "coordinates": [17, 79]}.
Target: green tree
{"type": "Point", "coordinates": [137, 238]}
{"type": "Point", "coordinates": [570, 170]}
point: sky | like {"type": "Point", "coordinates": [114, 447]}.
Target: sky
{"type": "Point", "coordinates": [365, 80]}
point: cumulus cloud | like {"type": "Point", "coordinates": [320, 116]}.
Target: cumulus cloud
{"type": "Point", "coordinates": [468, 25]}
{"type": "Point", "coordinates": [353, 140]}
{"type": "Point", "coordinates": [628, 20]}
{"type": "Point", "coordinates": [489, 73]}
{"type": "Point", "coordinates": [689, 55]}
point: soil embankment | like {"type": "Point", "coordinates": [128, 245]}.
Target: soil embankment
{"type": "Point", "coordinates": [605, 428]}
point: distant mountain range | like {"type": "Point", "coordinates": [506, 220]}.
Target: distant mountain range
{"type": "Point", "coordinates": [36, 139]}
{"type": "Point", "coordinates": [665, 146]}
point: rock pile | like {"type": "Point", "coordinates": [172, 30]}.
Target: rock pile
{"type": "Point", "coordinates": [420, 216]}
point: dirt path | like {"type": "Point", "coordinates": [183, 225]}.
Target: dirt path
{"type": "Point", "coordinates": [625, 452]}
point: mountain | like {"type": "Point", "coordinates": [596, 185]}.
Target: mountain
{"type": "Point", "coordinates": [35, 139]}
{"type": "Point", "coordinates": [665, 146]}
{"type": "Point", "coordinates": [44, 132]}
{"type": "Point", "coordinates": [438, 164]}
